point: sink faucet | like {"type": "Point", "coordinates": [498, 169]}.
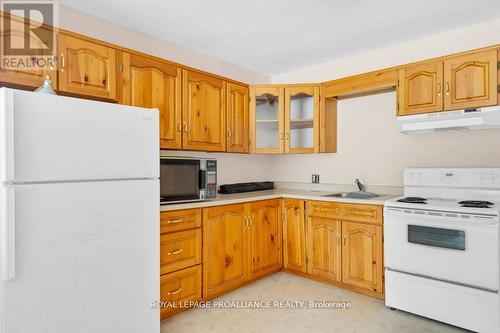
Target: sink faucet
{"type": "Point", "coordinates": [361, 186]}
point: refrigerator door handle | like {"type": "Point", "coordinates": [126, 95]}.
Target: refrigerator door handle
{"type": "Point", "coordinates": [7, 128]}
{"type": "Point", "coordinates": [7, 237]}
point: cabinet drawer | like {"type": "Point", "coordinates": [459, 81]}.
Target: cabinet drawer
{"type": "Point", "coordinates": [180, 220]}
{"type": "Point", "coordinates": [180, 250]}
{"type": "Point", "coordinates": [323, 209]}
{"type": "Point", "coordinates": [362, 213]}
{"type": "Point", "coordinates": [180, 286]}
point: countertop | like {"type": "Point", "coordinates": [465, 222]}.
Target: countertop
{"type": "Point", "coordinates": [227, 199]}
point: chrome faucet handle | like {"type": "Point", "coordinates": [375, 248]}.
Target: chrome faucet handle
{"type": "Point", "coordinates": [360, 185]}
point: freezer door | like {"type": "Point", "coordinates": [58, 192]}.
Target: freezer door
{"type": "Point", "coordinates": [55, 138]}
{"type": "Point", "coordinates": [86, 258]}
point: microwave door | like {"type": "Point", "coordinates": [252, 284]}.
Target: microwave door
{"type": "Point", "coordinates": [179, 180]}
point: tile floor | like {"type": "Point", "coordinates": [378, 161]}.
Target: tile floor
{"type": "Point", "coordinates": [366, 314]}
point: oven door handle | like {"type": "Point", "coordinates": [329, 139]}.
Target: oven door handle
{"type": "Point", "coordinates": [472, 220]}
{"type": "Point", "coordinates": [203, 179]}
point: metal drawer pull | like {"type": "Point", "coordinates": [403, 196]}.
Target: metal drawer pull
{"type": "Point", "coordinates": [175, 221]}
{"type": "Point", "coordinates": [175, 252]}
{"type": "Point", "coordinates": [174, 292]}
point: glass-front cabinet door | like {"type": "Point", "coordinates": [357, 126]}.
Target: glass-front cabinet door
{"type": "Point", "coordinates": [267, 120]}
{"type": "Point", "coordinates": [301, 119]}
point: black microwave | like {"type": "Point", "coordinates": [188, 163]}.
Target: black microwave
{"type": "Point", "coordinates": [185, 179]}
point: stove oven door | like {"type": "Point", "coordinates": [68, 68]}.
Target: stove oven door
{"type": "Point", "coordinates": [453, 247]}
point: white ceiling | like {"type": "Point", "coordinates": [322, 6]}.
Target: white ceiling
{"type": "Point", "coordinates": [276, 36]}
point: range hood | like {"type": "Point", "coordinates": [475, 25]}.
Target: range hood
{"type": "Point", "coordinates": [470, 119]}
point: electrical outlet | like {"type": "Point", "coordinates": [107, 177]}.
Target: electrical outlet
{"type": "Point", "coordinates": [315, 179]}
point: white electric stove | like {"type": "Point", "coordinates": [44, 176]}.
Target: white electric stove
{"type": "Point", "coordinates": [441, 247]}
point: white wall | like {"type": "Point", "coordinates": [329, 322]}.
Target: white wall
{"type": "Point", "coordinates": [453, 41]}
{"type": "Point", "coordinates": [77, 21]}
{"type": "Point", "coordinates": [371, 148]}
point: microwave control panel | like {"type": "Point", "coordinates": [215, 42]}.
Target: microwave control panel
{"type": "Point", "coordinates": [211, 190]}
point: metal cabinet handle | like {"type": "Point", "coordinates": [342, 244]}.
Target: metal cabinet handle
{"type": "Point", "coordinates": [175, 252]}
{"type": "Point", "coordinates": [63, 62]}
{"type": "Point", "coordinates": [439, 89]}
{"type": "Point", "coordinates": [447, 88]}
{"type": "Point", "coordinates": [174, 292]}
{"type": "Point", "coordinates": [185, 127]}
{"type": "Point", "coordinates": [229, 133]}
{"type": "Point", "coordinates": [175, 221]}
{"type": "Point", "coordinates": [179, 127]}
{"type": "Point", "coordinates": [338, 240]}
{"type": "Point", "coordinates": [344, 241]}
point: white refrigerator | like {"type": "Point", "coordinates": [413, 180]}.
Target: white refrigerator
{"type": "Point", "coordinates": [79, 215]}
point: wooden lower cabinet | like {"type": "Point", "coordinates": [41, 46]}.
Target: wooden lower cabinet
{"type": "Point", "coordinates": [324, 247]}
{"type": "Point", "coordinates": [362, 261]}
{"type": "Point", "coordinates": [180, 259]}
{"type": "Point", "coordinates": [344, 245]}
{"type": "Point", "coordinates": [240, 242]}
{"type": "Point", "coordinates": [179, 288]}
{"type": "Point", "coordinates": [294, 236]}
{"type": "Point", "coordinates": [265, 237]}
{"type": "Point", "coordinates": [225, 249]}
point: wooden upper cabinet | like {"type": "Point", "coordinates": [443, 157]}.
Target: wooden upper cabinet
{"type": "Point", "coordinates": [27, 77]}
{"type": "Point", "coordinates": [151, 83]}
{"type": "Point", "coordinates": [302, 119]}
{"type": "Point", "coordinates": [324, 247]}
{"type": "Point", "coordinates": [471, 80]}
{"type": "Point", "coordinates": [203, 112]}
{"type": "Point", "coordinates": [267, 119]}
{"type": "Point", "coordinates": [420, 88]}
{"type": "Point", "coordinates": [265, 237]}
{"type": "Point", "coordinates": [225, 249]}
{"type": "Point", "coordinates": [294, 236]}
{"type": "Point", "coordinates": [362, 258]}
{"type": "Point", "coordinates": [86, 68]}
{"type": "Point", "coordinates": [237, 118]}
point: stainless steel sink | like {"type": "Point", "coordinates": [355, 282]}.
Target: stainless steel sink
{"type": "Point", "coordinates": [353, 195]}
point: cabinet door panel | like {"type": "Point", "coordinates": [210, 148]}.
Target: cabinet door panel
{"type": "Point", "coordinates": [471, 80]}
{"type": "Point", "coordinates": [362, 264]}
{"type": "Point", "coordinates": [294, 236]}
{"type": "Point", "coordinates": [302, 119]}
{"type": "Point", "coordinates": [237, 118]}
{"type": "Point", "coordinates": [324, 247]}
{"type": "Point", "coordinates": [204, 113]}
{"type": "Point", "coordinates": [421, 88]}
{"type": "Point", "coordinates": [27, 77]}
{"type": "Point", "coordinates": [86, 68]}
{"type": "Point", "coordinates": [265, 237]}
{"type": "Point", "coordinates": [267, 128]}
{"type": "Point", "coordinates": [225, 259]}
{"type": "Point", "coordinates": [150, 83]}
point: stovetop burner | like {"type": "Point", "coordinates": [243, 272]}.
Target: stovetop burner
{"type": "Point", "coordinates": [417, 200]}
{"type": "Point", "coordinates": [476, 204]}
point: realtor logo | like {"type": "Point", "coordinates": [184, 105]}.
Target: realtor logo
{"type": "Point", "coordinates": [28, 35]}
